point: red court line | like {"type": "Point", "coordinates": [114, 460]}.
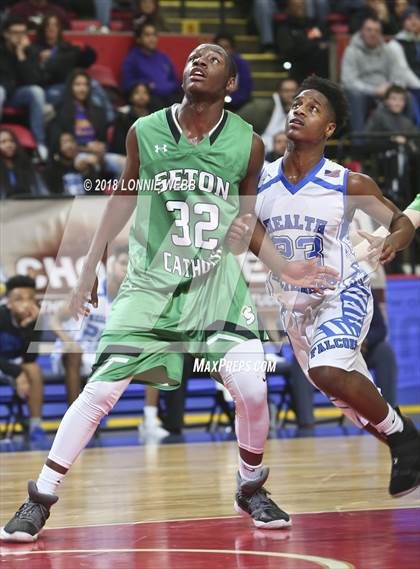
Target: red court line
{"type": "Point", "coordinates": [379, 539]}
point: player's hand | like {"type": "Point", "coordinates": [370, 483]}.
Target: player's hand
{"type": "Point", "coordinates": [81, 297]}
{"type": "Point", "coordinates": [239, 230]}
{"type": "Point", "coordinates": [308, 274]}
{"type": "Point", "coordinates": [381, 250]}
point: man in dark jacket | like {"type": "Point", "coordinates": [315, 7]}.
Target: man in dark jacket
{"type": "Point", "coordinates": [17, 321]}
{"type": "Point", "coordinates": [20, 78]}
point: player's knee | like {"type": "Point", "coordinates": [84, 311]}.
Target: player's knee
{"type": "Point", "coordinates": [101, 397]}
{"type": "Point", "coordinates": [250, 395]}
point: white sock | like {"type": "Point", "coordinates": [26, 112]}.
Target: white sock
{"type": "Point", "coordinates": [391, 424]}
{"type": "Point", "coordinates": [247, 471]}
{"type": "Point", "coordinates": [34, 422]}
{"type": "Point", "coordinates": [48, 480]}
{"type": "Point", "coordinates": [150, 415]}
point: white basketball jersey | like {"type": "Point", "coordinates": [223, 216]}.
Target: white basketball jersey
{"type": "Point", "coordinates": [89, 334]}
{"type": "Point", "coordinates": [307, 220]}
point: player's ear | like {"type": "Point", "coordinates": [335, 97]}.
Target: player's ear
{"type": "Point", "coordinates": [231, 85]}
{"type": "Point", "coordinates": [330, 130]}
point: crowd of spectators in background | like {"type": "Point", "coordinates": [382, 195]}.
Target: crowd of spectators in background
{"type": "Point", "coordinates": [79, 122]}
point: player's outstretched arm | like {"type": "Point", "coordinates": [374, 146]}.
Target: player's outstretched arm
{"type": "Point", "coordinates": [413, 212]}
{"type": "Point", "coordinates": [118, 210]}
{"type": "Point", "coordinates": [365, 194]}
{"type": "Point", "coordinates": [299, 273]}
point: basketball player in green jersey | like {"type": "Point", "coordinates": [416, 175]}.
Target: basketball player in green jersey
{"type": "Point", "coordinates": [184, 290]}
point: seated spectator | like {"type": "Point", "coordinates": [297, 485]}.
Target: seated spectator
{"type": "Point", "coordinates": [263, 11]}
{"type": "Point", "coordinates": [139, 107]}
{"type": "Point", "coordinates": [18, 177]}
{"type": "Point", "coordinates": [282, 101]}
{"type": "Point", "coordinates": [148, 10]}
{"type": "Point", "coordinates": [32, 11]}
{"type": "Point", "coordinates": [17, 321]}
{"type": "Point", "coordinates": [389, 116]}
{"type": "Point", "coordinates": [58, 57]}
{"type": "Point", "coordinates": [409, 39]}
{"type": "Point", "coordinates": [406, 47]}
{"type": "Point", "coordinates": [302, 43]}
{"type": "Point", "coordinates": [318, 10]}
{"type": "Point", "coordinates": [279, 147]}
{"type": "Point", "coordinates": [103, 11]}
{"type": "Point", "coordinates": [399, 7]}
{"type": "Point", "coordinates": [396, 154]}
{"type": "Point", "coordinates": [20, 78]}
{"type": "Point", "coordinates": [146, 64]}
{"type": "Point", "coordinates": [243, 91]}
{"type": "Point", "coordinates": [66, 173]}
{"type": "Point", "coordinates": [80, 116]}
{"type": "Point", "coordinates": [368, 69]}
{"type": "Point", "coordinates": [375, 9]}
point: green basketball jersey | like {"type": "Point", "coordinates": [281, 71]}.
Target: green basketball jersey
{"type": "Point", "coordinates": [188, 195]}
{"type": "Point", "coordinates": [415, 204]}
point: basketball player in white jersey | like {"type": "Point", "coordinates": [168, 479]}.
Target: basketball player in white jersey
{"type": "Point", "coordinates": [305, 202]}
{"type": "Point", "coordinates": [80, 345]}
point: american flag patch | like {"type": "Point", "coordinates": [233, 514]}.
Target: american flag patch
{"type": "Point", "coordinates": [332, 173]}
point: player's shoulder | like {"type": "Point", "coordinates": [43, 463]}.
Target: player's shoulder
{"type": "Point", "coordinates": [360, 184]}
{"type": "Point", "coordinates": [151, 121]}
{"type": "Point", "coordinates": [332, 172]}
{"type": "Point", "coordinates": [269, 175]}
{"type": "Point", "coordinates": [237, 122]}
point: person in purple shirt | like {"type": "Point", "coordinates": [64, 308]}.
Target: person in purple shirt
{"type": "Point", "coordinates": [147, 64]}
{"type": "Point", "coordinates": [244, 80]}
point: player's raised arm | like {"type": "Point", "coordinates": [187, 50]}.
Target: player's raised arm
{"type": "Point", "coordinates": [299, 273]}
{"type": "Point", "coordinates": [365, 194]}
{"type": "Point", "coordinates": [117, 212]}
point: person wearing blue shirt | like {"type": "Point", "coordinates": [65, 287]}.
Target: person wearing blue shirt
{"type": "Point", "coordinates": [242, 93]}
{"type": "Point", "coordinates": [147, 64]}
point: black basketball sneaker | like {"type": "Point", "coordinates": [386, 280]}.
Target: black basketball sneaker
{"type": "Point", "coordinates": [27, 523]}
{"type": "Point", "coordinates": [252, 500]}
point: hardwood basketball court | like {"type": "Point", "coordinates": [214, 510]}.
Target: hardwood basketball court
{"type": "Point", "coordinates": [170, 506]}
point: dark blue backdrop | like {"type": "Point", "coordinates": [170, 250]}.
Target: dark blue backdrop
{"type": "Point", "coordinates": [403, 302]}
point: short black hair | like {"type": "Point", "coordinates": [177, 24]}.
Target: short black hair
{"type": "Point", "coordinates": [395, 89]}
{"type": "Point", "coordinates": [223, 35]}
{"type": "Point", "coordinates": [372, 16]}
{"type": "Point", "coordinates": [232, 68]}
{"type": "Point", "coordinates": [138, 30]}
{"type": "Point", "coordinates": [19, 281]}
{"type": "Point", "coordinates": [333, 93]}
{"type": "Point", "coordinates": [14, 21]}
{"type": "Point", "coordinates": [134, 87]}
